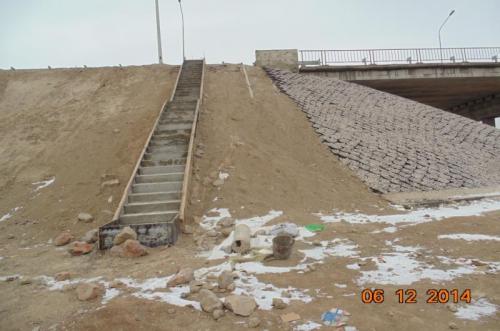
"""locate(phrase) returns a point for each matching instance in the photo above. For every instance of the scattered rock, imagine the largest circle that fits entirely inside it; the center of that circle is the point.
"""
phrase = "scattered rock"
(125, 234)
(240, 304)
(11, 236)
(85, 217)
(25, 281)
(317, 243)
(286, 294)
(452, 307)
(184, 276)
(453, 326)
(62, 276)
(110, 183)
(171, 311)
(253, 322)
(195, 286)
(279, 304)
(63, 239)
(211, 233)
(11, 278)
(88, 291)
(116, 251)
(226, 231)
(225, 279)
(117, 284)
(478, 263)
(231, 287)
(217, 313)
(226, 222)
(290, 317)
(218, 182)
(80, 248)
(187, 229)
(133, 248)
(110, 199)
(91, 236)
(209, 301)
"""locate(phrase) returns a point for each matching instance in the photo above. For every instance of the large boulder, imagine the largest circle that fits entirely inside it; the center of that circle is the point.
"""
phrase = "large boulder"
(89, 291)
(209, 301)
(63, 239)
(130, 248)
(125, 234)
(85, 217)
(184, 276)
(80, 248)
(91, 236)
(240, 304)
(225, 279)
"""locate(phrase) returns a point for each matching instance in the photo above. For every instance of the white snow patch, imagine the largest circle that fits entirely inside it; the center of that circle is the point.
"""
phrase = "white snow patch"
(390, 229)
(417, 216)
(223, 175)
(400, 267)
(43, 184)
(340, 285)
(353, 266)
(308, 326)
(9, 214)
(337, 247)
(476, 309)
(4, 278)
(469, 237)
(209, 222)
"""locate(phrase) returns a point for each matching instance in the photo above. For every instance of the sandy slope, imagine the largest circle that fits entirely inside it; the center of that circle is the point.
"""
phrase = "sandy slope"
(274, 161)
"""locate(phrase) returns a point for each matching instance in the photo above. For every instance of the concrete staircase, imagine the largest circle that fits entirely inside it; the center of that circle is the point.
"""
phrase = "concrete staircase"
(154, 200)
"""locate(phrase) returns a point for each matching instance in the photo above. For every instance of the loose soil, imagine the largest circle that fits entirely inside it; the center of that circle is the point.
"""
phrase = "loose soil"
(79, 124)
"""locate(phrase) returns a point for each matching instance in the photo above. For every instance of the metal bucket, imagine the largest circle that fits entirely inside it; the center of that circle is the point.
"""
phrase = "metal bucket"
(282, 246)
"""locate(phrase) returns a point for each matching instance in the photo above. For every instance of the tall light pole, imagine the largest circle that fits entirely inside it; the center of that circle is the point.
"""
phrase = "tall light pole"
(183, 47)
(160, 56)
(442, 25)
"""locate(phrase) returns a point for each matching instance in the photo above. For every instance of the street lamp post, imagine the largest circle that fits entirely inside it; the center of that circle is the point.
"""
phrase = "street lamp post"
(158, 34)
(442, 25)
(183, 47)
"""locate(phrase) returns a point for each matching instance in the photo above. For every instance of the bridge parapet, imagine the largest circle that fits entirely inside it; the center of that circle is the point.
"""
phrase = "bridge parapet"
(365, 57)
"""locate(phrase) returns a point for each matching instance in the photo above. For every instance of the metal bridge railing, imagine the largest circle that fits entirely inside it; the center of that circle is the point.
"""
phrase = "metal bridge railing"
(399, 56)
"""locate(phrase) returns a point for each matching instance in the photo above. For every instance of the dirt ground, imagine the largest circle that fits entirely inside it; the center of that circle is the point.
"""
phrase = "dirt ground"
(77, 125)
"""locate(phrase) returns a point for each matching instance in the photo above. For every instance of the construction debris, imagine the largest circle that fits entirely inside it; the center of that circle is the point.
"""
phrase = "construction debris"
(241, 243)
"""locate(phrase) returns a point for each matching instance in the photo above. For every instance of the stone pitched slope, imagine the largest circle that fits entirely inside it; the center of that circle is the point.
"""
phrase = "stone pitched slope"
(394, 144)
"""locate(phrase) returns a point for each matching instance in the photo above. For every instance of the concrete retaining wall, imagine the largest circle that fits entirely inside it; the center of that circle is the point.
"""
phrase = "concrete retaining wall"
(287, 59)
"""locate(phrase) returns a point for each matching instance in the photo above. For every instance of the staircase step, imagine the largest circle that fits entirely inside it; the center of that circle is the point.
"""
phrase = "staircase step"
(149, 207)
(174, 126)
(158, 178)
(153, 197)
(148, 218)
(154, 163)
(161, 170)
(164, 156)
(167, 148)
(156, 187)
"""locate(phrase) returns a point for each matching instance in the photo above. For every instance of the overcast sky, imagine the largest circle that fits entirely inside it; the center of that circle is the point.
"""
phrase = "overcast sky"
(65, 33)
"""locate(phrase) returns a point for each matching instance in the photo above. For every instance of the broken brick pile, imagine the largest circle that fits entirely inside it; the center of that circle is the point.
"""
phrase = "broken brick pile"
(394, 144)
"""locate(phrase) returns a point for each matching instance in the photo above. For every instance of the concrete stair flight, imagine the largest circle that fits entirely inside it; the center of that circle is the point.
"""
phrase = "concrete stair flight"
(154, 200)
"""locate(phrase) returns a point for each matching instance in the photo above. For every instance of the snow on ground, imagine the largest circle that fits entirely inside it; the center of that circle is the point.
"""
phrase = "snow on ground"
(43, 184)
(417, 216)
(54, 285)
(469, 237)
(337, 247)
(476, 309)
(308, 326)
(9, 214)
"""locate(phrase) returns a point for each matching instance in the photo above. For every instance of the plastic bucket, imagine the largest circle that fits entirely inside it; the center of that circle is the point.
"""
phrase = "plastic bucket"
(282, 246)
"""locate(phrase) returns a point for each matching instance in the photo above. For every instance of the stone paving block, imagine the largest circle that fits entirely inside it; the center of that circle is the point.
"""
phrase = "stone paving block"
(395, 144)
